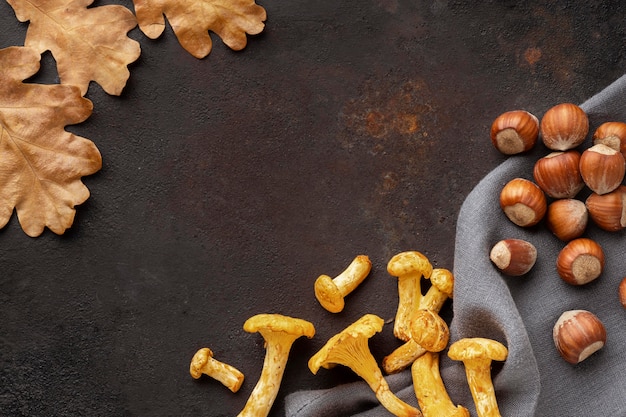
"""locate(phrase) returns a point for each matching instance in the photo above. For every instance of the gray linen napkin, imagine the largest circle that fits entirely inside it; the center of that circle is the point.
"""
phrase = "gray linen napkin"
(518, 311)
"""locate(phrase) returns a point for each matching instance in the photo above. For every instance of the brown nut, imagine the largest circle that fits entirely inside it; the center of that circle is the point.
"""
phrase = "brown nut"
(558, 174)
(608, 211)
(580, 261)
(613, 135)
(622, 292)
(578, 334)
(523, 202)
(513, 257)
(602, 168)
(515, 132)
(564, 126)
(567, 218)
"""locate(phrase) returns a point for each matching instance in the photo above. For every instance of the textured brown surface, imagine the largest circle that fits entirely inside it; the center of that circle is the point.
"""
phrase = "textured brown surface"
(230, 183)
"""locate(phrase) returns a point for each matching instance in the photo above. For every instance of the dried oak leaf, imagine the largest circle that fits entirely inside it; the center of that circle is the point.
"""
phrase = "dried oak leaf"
(88, 44)
(42, 163)
(192, 20)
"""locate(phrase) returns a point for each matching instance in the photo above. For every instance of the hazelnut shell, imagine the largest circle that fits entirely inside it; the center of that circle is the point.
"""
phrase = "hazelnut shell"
(515, 132)
(602, 168)
(558, 174)
(578, 334)
(523, 202)
(564, 126)
(608, 211)
(580, 261)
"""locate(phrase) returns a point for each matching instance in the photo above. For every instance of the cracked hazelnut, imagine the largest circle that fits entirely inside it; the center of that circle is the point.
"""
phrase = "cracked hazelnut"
(580, 261)
(515, 132)
(602, 168)
(578, 334)
(608, 211)
(564, 126)
(523, 202)
(558, 174)
(567, 218)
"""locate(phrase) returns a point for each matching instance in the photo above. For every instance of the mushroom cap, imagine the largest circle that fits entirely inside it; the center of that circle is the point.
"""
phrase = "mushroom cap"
(443, 279)
(328, 294)
(199, 360)
(477, 348)
(430, 331)
(364, 328)
(279, 323)
(405, 263)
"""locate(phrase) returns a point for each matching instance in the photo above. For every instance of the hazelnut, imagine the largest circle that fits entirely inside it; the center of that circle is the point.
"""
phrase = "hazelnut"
(613, 135)
(578, 334)
(608, 211)
(523, 202)
(567, 218)
(602, 168)
(513, 257)
(580, 261)
(564, 126)
(515, 132)
(622, 292)
(558, 174)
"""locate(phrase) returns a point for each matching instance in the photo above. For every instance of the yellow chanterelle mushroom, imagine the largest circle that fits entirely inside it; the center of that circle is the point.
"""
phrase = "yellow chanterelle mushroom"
(350, 348)
(477, 354)
(279, 332)
(203, 363)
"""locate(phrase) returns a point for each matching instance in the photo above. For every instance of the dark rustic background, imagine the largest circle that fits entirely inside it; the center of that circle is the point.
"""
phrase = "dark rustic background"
(230, 183)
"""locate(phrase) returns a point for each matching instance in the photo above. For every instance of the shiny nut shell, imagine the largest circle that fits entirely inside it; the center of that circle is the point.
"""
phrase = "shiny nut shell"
(608, 211)
(567, 218)
(578, 334)
(612, 134)
(558, 174)
(580, 261)
(523, 202)
(514, 257)
(564, 126)
(515, 132)
(602, 168)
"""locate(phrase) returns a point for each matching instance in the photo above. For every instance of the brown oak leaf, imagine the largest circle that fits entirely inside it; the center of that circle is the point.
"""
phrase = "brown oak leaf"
(42, 163)
(192, 20)
(88, 44)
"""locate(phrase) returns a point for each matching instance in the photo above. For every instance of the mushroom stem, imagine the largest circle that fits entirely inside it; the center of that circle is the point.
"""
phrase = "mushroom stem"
(350, 348)
(331, 292)
(279, 333)
(442, 284)
(203, 363)
(353, 275)
(402, 357)
(484, 394)
(430, 391)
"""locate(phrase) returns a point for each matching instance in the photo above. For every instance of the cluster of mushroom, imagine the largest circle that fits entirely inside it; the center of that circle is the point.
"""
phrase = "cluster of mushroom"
(570, 187)
(417, 323)
(425, 335)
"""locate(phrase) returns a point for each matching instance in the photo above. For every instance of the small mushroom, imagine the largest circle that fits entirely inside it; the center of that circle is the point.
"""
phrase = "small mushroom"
(331, 292)
(350, 348)
(429, 332)
(442, 286)
(430, 391)
(279, 333)
(477, 355)
(204, 363)
(409, 267)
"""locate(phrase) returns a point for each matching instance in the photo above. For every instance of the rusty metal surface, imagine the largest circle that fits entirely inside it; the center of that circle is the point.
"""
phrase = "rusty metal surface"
(230, 183)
